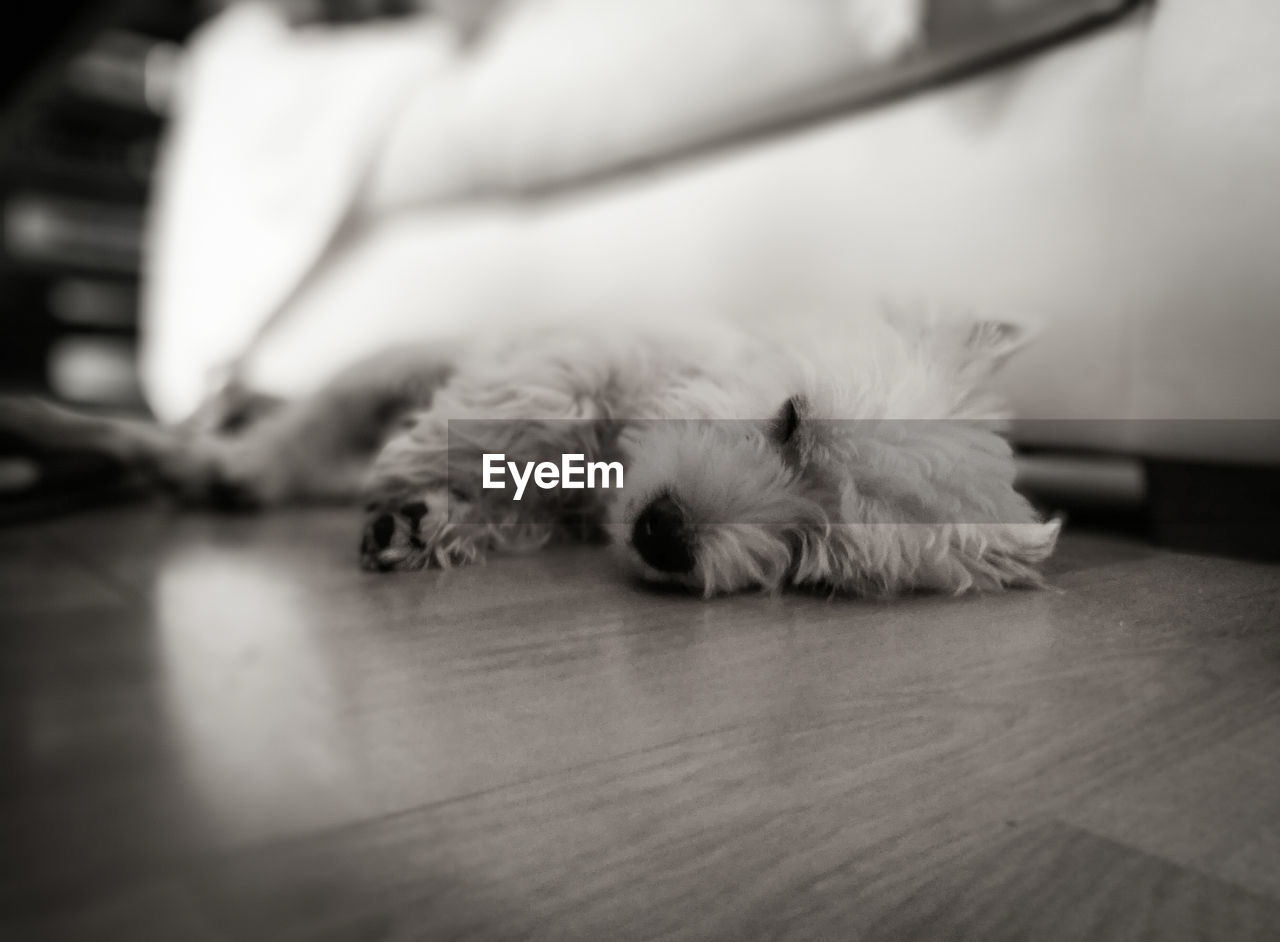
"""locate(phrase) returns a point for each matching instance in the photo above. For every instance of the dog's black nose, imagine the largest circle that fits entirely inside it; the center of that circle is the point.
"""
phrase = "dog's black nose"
(661, 538)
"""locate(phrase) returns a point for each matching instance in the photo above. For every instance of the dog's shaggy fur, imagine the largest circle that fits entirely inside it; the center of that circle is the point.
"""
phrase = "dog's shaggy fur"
(869, 463)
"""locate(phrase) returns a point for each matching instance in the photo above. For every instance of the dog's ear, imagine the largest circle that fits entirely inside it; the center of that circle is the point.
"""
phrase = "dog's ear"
(974, 347)
(990, 343)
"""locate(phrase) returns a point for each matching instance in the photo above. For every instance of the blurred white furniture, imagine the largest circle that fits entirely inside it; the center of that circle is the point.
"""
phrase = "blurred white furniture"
(1120, 189)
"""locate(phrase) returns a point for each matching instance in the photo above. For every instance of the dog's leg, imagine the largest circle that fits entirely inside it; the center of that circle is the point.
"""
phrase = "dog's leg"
(416, 515)
(427, 503)
(309, 450)
(427, 506)
(108, 449)
(319, 448)
(41, 427)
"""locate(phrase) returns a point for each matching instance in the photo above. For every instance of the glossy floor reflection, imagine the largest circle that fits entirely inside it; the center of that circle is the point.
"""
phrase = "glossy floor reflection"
(219, 728)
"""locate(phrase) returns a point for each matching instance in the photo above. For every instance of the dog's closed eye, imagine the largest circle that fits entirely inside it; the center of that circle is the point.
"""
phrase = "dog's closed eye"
(786, 423)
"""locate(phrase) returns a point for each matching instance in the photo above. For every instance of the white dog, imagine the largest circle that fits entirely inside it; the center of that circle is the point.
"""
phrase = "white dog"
(867, 463)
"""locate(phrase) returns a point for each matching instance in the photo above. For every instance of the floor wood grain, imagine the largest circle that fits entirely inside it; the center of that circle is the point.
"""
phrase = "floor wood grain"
(219, 728)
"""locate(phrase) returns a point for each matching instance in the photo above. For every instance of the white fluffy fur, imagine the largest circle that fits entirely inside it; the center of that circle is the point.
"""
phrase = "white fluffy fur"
(895, 480)
(868, 461)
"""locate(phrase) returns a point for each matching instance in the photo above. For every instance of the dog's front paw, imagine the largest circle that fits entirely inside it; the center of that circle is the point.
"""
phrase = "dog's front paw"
(419, 532)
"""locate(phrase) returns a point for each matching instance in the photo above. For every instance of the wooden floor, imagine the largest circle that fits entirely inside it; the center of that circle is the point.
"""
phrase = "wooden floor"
(221, 729)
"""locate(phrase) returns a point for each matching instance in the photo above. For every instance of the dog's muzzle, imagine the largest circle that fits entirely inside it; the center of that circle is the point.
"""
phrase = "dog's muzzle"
(661, 537)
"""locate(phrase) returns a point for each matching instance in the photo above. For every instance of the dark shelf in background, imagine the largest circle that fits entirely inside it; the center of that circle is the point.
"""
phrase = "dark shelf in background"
(78, 138)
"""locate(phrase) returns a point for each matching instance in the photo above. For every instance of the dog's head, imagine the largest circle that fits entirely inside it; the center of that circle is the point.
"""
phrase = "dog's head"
(879, 471)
